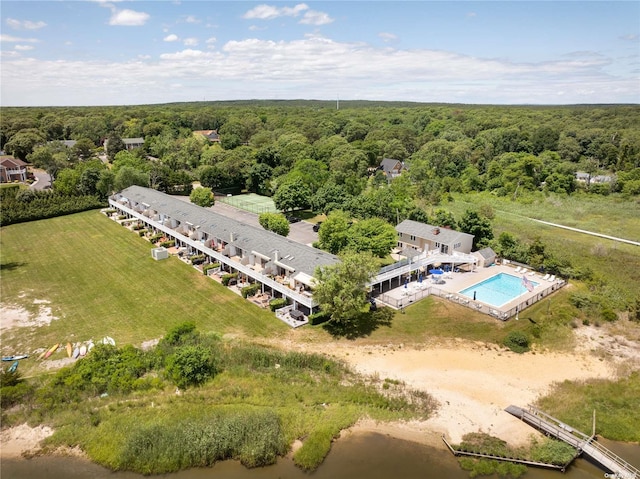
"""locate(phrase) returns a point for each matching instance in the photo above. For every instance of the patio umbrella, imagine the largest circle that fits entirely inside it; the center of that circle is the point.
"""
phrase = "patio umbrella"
(474, 295)
(406, 282)
(436, 271)
(419, 278)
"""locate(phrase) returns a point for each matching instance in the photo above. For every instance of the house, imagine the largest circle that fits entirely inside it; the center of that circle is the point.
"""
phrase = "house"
(584, 177)
(211, 135)
(486, 257)
(12, 169)
(424, 237)
(133, 143)
(392, 168)
(282, 267)
(129, 143)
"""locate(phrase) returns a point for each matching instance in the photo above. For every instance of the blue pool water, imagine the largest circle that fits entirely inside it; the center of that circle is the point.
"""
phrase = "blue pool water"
(498, 289)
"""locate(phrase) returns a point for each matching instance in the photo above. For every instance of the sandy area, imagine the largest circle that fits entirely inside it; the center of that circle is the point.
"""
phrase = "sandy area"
(22, 439)
(14, 316)
(473, 382)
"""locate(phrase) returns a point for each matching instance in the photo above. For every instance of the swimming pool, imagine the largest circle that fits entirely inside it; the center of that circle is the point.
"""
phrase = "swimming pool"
(498, 290)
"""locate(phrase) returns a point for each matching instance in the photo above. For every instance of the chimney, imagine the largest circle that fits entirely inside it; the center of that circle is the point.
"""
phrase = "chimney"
(277, 255)
(232, 237)
(436, 231)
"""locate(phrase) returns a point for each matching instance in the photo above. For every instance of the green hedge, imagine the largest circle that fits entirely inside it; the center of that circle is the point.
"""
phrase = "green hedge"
(277, 303)
(198, 259)
(319, 318)
(156, 237)
(250, 290)
(207, 267)
(228, 277)
(168, 244)
(32, 205)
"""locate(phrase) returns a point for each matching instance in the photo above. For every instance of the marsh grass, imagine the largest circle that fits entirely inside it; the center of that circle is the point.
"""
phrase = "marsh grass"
(547, 450)
(260, 402)
(616, 404)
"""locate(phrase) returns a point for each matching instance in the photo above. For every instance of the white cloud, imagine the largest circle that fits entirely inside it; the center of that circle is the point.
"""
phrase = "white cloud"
(256, 28)
(128, 18)
(631, 37)
(211, 40)
(25, 24)
(24, 48)
(190, 42)
(12, 39)
(314, 67)
(191, 19)
(387, 37)
(171, 38)
(269, 12)
(187, 54)
(471, 14)
(313, 17)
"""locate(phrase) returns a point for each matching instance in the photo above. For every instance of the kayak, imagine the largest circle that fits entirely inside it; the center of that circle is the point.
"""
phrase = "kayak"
(76, 353)
(13, 367)
(83, 350)
(108, 340)
(15, 358)
(69, 349)
(51, 350)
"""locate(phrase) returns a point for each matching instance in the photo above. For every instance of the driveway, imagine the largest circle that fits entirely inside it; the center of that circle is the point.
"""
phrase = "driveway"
(43, 180)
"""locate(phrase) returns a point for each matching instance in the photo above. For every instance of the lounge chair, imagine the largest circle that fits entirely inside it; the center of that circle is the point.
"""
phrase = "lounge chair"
(552, 278)
(546, 277)
(517, 270)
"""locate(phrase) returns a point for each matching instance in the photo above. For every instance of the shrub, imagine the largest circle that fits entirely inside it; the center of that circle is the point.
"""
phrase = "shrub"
(141, 233)
(13, 389)
(191, 366)
(517, 341)
(228, 277)
(609, 315)
(180, 333)
(207, 267)
(277, 303)
(198, 259)
(168, 244)
(250, 290)
(156, 237)
(319, 318)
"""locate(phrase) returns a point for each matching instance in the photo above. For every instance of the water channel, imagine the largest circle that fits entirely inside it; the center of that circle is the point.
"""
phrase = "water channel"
(374, 456)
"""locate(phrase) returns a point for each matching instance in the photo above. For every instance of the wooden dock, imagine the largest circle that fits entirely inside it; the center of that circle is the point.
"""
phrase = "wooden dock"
(458, 452)
(616, 466)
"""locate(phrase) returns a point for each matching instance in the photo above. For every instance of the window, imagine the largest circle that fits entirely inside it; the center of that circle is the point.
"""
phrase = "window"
(413, 238)
(437, 245)
(457, 245)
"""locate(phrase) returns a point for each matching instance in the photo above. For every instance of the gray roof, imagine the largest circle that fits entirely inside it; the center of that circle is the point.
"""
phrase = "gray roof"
(301, 257)
(430, 232)
(129, 141)
(389, 165)
(486, 253)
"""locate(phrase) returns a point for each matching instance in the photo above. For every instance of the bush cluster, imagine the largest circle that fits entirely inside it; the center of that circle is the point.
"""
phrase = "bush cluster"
(517, 341)
(226, 278)
(277, 303)
(319, 318)
(250, 290)
(36, 205)
(207, 267)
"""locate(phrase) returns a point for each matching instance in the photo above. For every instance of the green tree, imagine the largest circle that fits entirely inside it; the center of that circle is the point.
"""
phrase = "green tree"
(445, 219)
(202, 197)
(67, 182)
(341, 288)
(114, 146)
(293, 195)
(275, 222)
(478, 226)
(333, 235)
(23, 143)
(127, 176)
(258, 178)
(374, 235)
(83, 149)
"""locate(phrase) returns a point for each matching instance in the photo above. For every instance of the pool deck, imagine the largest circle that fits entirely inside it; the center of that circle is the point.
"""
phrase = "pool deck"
(452, 283)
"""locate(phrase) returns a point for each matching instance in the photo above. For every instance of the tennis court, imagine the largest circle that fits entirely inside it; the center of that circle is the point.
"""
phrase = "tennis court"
(250, 202)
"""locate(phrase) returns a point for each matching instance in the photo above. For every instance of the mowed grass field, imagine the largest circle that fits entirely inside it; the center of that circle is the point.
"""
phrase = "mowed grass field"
(99, 279)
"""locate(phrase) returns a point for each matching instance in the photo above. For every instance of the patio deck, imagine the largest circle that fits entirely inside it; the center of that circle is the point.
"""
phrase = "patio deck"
(452, 283)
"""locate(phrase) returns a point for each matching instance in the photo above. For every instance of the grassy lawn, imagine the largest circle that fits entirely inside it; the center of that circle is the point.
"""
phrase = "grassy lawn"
(100, 279)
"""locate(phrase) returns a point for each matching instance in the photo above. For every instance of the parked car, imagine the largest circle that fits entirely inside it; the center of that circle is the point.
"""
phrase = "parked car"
(293, 219)
(316, 227)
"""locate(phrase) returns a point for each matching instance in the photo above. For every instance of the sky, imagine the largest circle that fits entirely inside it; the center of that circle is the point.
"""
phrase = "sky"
(85, 53)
